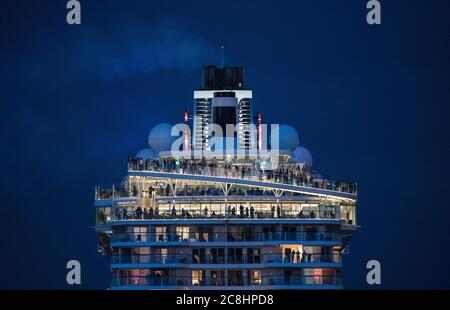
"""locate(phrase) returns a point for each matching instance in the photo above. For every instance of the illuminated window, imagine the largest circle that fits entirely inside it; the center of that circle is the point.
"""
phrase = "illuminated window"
(140, 233)
(197, 277)
(183, 232)
(254, 277)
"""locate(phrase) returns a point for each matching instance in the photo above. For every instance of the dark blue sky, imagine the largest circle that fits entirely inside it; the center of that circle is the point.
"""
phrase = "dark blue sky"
(370, 102)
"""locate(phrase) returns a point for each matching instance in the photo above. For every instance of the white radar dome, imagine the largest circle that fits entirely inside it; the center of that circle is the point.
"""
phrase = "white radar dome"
(301, 155)
(159, 138)
(146, 154)
(287, 135)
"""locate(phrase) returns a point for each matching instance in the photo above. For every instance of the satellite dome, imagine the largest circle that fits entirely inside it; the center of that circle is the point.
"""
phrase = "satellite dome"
(160, 139)
(301, 155)
(288, 137)
(146, 154)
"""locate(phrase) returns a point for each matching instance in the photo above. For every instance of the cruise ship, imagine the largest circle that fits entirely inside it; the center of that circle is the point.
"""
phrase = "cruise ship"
(231, 210)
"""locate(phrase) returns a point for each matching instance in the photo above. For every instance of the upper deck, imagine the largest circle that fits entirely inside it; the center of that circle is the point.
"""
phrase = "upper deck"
(287, 177)
(200, 189)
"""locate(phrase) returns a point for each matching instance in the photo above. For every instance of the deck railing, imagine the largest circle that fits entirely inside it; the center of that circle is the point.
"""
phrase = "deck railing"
(193, 237)
(137, 214)
(180, 281)
(268, 258)
(289, 174)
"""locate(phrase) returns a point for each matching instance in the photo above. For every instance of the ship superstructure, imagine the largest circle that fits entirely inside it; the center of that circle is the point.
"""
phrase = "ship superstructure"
(197, 220)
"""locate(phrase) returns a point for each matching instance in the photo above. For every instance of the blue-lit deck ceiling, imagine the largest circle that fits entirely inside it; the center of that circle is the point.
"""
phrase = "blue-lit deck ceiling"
(246, 182)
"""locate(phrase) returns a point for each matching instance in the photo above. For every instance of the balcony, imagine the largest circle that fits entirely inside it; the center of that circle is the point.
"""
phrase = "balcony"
(218, 211)
(272, 236)
(269, 260)
(106, 192)
(162, 282)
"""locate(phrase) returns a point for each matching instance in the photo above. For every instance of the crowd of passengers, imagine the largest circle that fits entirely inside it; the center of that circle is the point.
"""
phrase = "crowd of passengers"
(191, 166)
(293, 173)
(186, 191)
(211, 191)
(232, 212)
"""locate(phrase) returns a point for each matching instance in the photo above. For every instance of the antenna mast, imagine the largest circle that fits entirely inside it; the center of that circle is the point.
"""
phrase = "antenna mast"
(222, 61)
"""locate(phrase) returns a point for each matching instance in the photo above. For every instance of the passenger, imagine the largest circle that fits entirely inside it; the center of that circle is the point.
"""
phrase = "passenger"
(286, 256)
(292, 255)
(205, 212)
(312, 215)
(150, 213)
(119, 213)
(298, 256)
(158, 279)
(252, 212)
(102, 217)
(174, 212)
(272, 211)
(138, 213)
(167, 190)
(145, 213)
(247, 212)
(148, 278)
(241, 211)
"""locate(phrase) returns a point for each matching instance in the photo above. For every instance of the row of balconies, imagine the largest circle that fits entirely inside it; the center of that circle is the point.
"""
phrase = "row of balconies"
(266, 281)
(227, 237)
(135, 213)
(293, 259)
(168, 212)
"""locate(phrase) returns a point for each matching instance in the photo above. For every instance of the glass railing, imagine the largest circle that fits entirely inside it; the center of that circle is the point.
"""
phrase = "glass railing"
(179, 281)
(109, 192)
(137, 213)
(271, 258)
(226, 237)
(288, 174)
